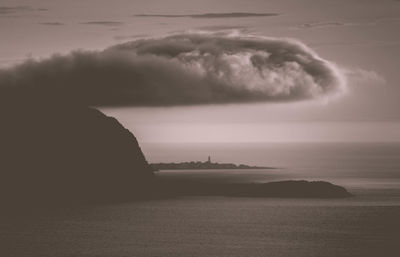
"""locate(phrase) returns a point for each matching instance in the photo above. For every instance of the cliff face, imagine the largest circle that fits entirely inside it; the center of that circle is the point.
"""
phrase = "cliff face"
(61, 153)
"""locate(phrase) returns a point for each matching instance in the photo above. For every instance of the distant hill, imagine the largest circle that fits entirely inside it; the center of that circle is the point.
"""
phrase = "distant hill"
(280, 189)
(207, 165)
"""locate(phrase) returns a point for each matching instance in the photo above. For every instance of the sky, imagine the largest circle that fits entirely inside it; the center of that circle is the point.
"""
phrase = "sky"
(326, 71)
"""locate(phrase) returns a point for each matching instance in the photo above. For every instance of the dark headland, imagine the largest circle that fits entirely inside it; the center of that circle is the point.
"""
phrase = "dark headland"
(58, 154)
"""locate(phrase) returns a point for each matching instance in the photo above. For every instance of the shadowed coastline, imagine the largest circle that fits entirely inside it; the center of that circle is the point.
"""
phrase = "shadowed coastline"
(57, 154)
(280, 189)
(198, 165)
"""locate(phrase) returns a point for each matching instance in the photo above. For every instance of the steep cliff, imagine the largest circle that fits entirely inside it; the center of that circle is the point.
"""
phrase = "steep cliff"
(61, 153)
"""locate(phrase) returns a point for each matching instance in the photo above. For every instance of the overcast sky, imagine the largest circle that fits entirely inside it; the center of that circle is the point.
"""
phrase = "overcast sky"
(358, 37)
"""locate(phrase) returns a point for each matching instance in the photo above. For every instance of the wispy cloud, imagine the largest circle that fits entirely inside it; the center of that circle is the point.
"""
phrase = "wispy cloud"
(135, 36)
(223, 27)
(104, 23)
(359, 43)
(210, 15)
(12, 10)
(332, 24)
(360, 76)
(52, 23)
(323, 24)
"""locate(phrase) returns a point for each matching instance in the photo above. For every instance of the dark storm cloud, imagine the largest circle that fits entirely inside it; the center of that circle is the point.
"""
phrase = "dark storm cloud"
(6, 10)
(104, 23)
(210, 15)
(52, 23)
(183, 69)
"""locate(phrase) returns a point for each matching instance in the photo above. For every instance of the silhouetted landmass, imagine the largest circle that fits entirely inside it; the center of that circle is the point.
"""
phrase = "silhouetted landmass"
(58, 153)
(54, 152)
(201, 166)
(282, 189)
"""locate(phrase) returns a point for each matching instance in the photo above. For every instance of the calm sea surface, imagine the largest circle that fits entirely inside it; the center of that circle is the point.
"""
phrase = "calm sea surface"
(366, 169)
(365, 225)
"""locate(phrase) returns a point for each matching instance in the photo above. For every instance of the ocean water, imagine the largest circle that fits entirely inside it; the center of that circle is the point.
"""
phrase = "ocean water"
(365, 169)
(365, 225)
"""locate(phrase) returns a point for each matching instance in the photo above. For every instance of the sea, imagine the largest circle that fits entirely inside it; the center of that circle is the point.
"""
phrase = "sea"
(367, 224)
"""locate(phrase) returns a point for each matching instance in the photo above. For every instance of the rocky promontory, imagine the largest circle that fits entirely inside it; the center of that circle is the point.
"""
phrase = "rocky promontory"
(61, 153)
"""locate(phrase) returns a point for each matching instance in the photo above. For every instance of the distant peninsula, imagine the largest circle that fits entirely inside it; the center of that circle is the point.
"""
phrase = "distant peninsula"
(280, 189)
(198, 165)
